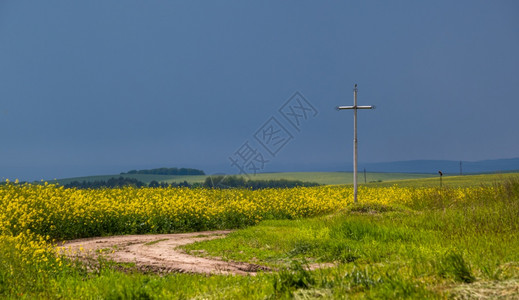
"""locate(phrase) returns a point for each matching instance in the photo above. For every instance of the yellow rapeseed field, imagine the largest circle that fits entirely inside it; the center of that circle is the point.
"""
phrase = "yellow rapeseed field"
(34, 217)
(58, 213)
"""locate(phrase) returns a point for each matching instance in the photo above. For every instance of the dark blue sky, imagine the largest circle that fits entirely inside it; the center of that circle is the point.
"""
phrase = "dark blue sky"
(96, 87)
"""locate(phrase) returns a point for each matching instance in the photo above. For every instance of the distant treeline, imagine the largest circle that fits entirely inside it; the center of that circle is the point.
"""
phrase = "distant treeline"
(223, 182)
(122, 182)
(110, 183)
(218, 182)
(168, 171)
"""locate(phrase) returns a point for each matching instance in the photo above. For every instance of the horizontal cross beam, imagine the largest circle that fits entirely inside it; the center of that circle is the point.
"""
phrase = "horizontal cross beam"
(356, 107)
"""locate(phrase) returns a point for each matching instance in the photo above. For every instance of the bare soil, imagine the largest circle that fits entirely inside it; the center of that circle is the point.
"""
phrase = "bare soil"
(158, 253)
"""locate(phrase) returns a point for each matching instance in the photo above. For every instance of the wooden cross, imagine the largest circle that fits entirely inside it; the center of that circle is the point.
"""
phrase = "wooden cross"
(355, 107)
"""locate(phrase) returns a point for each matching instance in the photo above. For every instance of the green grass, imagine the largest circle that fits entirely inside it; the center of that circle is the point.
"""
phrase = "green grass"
(380, 235)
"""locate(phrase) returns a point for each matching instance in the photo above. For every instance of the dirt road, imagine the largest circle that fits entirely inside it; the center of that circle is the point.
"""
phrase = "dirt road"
(157, 253)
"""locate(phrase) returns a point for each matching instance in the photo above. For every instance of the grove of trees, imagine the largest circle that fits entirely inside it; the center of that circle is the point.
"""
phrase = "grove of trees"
(168, 171)
(223, 182)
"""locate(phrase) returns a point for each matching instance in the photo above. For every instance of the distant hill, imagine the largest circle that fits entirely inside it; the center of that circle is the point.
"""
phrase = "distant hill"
(446, 166)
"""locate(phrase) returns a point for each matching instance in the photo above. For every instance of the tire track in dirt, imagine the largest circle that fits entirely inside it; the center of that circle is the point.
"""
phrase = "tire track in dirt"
(158, 253)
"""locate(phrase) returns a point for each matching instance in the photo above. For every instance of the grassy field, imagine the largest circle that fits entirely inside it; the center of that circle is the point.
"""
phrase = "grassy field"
(319, 177)
(449, 181)
(327, 178)
(338, 177)
(399, 242)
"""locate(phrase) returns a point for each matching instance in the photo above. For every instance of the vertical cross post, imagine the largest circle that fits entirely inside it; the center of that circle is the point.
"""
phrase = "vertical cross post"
(355, 107)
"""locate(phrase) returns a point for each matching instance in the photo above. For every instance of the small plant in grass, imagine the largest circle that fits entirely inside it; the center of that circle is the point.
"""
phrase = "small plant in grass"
(296, 277)
(341, 252)
(301, 248)
(362, 279)
(455, 266)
